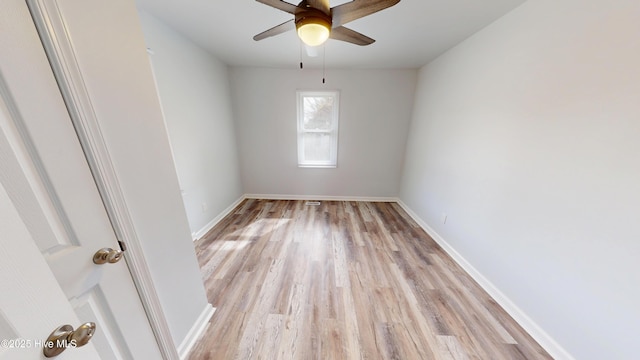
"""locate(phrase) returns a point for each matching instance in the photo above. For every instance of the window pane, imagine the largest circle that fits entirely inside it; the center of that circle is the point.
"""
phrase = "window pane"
(317, 147)
(318, 112)
(318, 128)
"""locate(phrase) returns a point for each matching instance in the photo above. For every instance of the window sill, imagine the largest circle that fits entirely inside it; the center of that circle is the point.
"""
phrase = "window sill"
(307, 166)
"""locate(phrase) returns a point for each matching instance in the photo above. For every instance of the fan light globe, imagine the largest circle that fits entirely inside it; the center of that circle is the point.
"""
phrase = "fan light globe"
(313, 34)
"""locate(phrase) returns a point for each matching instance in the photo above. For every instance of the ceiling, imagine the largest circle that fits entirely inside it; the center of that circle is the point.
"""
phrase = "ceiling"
(408, 35)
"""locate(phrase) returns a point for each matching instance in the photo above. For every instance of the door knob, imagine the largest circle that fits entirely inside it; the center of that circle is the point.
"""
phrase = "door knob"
(65, 337)
(107, 255)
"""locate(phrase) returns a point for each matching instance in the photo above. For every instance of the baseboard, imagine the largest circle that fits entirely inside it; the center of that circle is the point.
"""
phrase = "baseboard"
(196, 331)
(202, 232)
(320, 197)
(544, 339)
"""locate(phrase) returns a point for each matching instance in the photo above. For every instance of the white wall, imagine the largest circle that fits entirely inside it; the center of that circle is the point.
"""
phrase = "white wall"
(195, 96)
(110, 51)
(527, 136)
(375, 110)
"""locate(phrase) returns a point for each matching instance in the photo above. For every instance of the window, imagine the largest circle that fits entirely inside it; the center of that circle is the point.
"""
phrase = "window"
(317, 129)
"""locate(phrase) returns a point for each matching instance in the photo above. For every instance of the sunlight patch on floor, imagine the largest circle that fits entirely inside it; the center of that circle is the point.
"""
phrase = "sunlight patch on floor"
(260, 227)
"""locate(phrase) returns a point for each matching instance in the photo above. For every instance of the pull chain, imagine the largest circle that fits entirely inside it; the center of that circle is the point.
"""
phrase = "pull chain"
(301, 66)
(324, 60)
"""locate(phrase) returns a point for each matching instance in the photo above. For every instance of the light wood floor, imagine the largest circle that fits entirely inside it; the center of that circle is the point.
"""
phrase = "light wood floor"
(343, 280)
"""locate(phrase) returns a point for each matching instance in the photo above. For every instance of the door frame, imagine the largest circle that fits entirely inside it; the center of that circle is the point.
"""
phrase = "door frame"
(59, 49)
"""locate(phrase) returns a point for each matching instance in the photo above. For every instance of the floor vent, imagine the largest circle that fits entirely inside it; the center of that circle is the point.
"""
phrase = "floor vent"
(312, 203)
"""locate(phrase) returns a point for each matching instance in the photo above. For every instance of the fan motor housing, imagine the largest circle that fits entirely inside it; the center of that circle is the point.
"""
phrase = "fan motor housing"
(305, 14)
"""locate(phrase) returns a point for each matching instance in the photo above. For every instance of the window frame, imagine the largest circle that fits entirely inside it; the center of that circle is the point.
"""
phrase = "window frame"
(333, 131)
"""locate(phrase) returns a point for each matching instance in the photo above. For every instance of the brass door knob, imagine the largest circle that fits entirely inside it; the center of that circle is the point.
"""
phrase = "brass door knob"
(107, 255)
(65, 337)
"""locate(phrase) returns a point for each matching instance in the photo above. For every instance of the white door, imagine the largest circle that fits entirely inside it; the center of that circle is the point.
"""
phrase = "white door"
(22, 332)
(45, 176)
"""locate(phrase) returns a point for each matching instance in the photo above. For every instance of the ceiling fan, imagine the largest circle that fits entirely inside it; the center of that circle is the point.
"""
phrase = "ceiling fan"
(316, 22)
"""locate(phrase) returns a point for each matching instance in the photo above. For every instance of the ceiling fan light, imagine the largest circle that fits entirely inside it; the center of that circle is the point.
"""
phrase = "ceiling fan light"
(313, 33)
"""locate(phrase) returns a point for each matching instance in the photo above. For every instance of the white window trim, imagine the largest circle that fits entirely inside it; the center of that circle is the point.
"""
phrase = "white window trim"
(333, 158)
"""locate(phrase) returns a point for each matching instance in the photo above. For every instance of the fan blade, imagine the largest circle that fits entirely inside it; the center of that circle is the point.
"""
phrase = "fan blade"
(356, 9)
(276, 30)
(344, 34)
(322, 5)
(281, 5)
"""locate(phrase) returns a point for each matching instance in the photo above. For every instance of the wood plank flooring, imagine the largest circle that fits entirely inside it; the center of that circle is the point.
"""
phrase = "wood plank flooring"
(343, 280)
